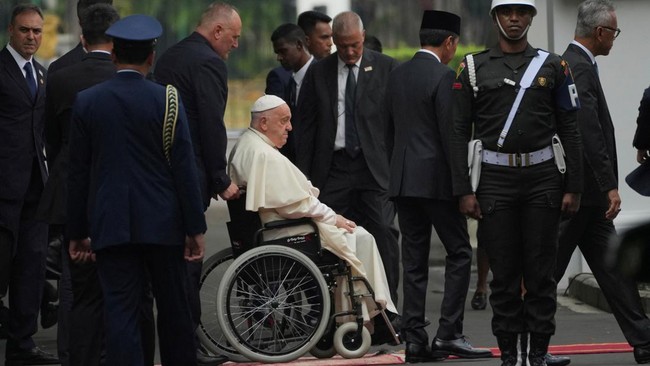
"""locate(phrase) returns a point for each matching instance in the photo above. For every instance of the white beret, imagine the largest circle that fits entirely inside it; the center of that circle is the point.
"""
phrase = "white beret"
(266, 102)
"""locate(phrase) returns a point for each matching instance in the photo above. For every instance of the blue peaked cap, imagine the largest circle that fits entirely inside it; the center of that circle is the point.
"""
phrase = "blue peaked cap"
(136, 28)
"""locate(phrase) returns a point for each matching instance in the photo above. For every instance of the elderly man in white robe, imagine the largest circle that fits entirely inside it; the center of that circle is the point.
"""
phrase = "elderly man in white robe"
(278, 190)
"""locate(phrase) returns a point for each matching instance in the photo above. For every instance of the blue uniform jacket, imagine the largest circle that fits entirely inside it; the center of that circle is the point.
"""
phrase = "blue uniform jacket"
(121, 188)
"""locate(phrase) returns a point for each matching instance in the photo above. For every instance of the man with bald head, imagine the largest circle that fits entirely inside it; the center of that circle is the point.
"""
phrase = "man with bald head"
(196, 66)
(277, 190)
(343, 135)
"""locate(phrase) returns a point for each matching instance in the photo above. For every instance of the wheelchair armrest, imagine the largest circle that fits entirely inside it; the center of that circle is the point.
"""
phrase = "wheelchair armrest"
(290, 222)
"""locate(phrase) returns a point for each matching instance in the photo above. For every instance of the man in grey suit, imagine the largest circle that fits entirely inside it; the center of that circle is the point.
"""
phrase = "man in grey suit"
(592, 227)
(419, 104)
(343, 143)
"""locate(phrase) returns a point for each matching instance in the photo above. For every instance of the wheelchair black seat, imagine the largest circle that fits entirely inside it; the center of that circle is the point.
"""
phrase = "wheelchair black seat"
(246, 232)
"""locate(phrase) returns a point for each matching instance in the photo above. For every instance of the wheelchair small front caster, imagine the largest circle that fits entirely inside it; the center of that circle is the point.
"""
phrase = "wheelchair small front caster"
(350, 345)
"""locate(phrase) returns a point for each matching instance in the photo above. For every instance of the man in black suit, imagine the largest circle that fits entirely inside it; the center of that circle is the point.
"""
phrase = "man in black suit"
(196, 66)
(420, 184)
(76, 54)
(57, 246)
(23, 238)
(316, 26)
(342, 147)
(118, 152)
(291, 50)
(592, 227)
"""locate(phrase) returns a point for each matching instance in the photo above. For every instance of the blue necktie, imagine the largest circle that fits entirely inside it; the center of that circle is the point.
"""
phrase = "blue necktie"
(29, 76)
(351, 136)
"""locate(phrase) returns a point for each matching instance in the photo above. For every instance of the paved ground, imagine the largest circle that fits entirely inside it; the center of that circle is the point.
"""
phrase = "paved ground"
(577, 323)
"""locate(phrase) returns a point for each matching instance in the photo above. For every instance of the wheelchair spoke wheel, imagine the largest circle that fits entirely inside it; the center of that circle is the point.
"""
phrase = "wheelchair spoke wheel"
(209, 332)
(273, 304)
(348, 343)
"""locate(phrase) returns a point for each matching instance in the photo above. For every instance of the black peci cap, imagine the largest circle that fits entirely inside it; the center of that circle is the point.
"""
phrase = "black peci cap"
(436, 19)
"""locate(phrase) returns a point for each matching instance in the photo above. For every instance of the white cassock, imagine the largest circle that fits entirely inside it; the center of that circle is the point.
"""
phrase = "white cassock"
(278, 190)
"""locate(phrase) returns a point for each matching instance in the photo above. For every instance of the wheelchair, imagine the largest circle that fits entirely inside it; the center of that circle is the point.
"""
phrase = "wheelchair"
(271, 300)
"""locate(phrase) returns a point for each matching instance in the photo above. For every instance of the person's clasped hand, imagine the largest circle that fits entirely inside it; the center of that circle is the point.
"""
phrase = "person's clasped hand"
(80, 251)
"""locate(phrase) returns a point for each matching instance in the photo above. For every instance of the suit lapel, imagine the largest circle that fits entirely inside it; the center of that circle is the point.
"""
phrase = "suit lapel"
(365, 75)
(40, 80)
(601, 94)
(332, 82)
(14, 72)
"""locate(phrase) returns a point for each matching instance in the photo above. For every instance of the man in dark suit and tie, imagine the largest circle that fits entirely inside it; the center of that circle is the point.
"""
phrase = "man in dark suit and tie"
(77, 53)
(292, 53)
(134, 191)
(342, 147)
(196, 66)
(419, 104)
(591, 228)
(23, 238)
(316, 26)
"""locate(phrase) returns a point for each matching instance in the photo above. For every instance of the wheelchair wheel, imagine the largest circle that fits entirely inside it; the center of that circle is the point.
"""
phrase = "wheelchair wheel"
(324, 348)
(209, 331)
(346, 342)
(273, 304)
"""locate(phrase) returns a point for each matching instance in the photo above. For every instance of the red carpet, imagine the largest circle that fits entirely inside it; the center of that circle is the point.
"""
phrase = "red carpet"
(369, 359)
(398, 357)
(581, 349)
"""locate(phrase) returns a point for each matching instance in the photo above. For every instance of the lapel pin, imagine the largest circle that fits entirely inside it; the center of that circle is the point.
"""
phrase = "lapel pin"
(367, 68)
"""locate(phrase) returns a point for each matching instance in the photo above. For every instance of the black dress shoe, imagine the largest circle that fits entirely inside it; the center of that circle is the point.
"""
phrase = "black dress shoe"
(416, 353)
(556, 360)
(205, 359)
(459, 347)
(34, 356)
(479, 301)
(642, 354)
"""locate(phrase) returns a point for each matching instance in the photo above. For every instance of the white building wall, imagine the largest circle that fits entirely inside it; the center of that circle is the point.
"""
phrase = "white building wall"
(624, 74)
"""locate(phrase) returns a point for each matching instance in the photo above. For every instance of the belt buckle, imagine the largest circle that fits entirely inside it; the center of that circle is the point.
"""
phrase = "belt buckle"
(518, 160)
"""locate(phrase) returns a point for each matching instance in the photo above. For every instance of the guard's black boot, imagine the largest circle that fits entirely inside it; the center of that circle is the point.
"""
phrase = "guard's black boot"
(538, 348)
(508, 346)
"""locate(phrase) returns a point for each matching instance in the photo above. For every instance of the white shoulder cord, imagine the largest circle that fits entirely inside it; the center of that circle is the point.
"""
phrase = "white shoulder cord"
(472, 73)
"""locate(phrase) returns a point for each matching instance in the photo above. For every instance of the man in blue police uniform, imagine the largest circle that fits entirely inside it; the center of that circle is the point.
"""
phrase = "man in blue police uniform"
(135, 194)
(515, 99)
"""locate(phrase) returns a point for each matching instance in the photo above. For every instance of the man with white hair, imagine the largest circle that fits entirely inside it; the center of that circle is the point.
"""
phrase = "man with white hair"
(278, 190)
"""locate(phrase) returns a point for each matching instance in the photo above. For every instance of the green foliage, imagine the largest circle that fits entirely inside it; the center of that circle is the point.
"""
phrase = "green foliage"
(402, 54)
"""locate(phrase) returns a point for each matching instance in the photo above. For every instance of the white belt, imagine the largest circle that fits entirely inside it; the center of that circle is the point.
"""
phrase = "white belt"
(518, 160)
